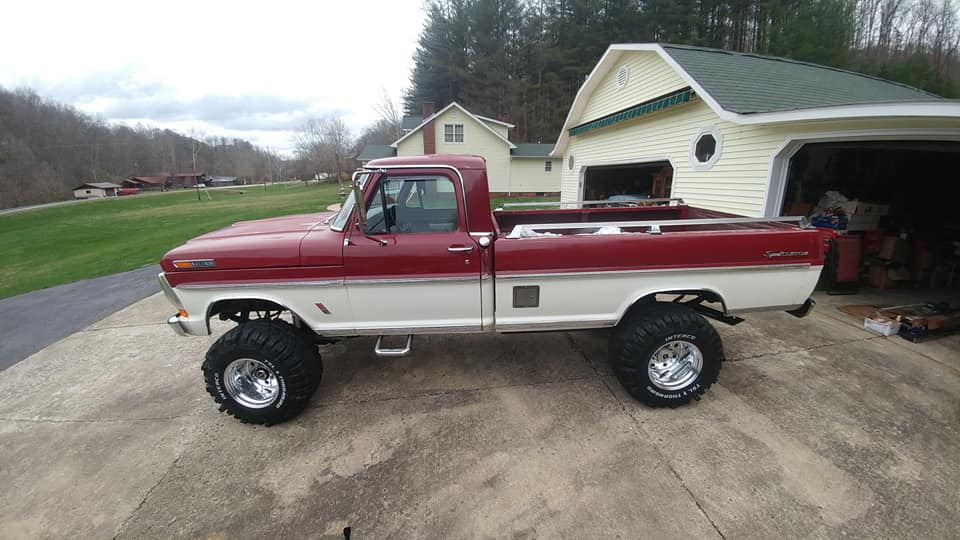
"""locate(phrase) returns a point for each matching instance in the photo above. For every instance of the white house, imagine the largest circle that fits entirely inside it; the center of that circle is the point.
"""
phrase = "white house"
(746, 134)
(513, 169)
(95, 190)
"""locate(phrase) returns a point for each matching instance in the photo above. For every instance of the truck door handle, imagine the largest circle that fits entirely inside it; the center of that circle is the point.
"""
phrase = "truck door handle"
(455, 249)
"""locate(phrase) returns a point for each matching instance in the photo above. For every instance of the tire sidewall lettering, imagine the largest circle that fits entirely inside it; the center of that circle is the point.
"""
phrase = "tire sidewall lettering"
(680, 337)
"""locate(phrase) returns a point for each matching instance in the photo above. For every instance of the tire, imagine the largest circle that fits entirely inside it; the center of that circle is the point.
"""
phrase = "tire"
(655, 350)
(263, 371)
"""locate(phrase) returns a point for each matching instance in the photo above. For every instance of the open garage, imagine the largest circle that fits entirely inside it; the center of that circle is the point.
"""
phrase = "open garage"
(761, 136)
(628, 181)
(914, 180)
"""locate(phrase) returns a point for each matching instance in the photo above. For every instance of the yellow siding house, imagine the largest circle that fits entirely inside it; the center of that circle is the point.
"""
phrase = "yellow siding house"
(719, 129)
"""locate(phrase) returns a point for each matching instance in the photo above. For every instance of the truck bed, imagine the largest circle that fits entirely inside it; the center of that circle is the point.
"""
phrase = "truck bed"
(587, 269)
(506, 221)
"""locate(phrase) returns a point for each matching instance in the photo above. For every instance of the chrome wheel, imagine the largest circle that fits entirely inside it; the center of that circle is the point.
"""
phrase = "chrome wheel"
(251, 383)
(674, 365)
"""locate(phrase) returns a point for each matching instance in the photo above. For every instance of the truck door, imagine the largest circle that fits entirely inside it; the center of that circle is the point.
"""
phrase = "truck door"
(415, 268)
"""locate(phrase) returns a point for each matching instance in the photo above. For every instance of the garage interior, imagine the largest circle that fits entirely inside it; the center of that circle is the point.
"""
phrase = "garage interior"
(628, 181)
(897, 216)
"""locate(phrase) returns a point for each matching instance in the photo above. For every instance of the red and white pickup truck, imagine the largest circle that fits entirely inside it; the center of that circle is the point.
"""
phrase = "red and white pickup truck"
(426, 255)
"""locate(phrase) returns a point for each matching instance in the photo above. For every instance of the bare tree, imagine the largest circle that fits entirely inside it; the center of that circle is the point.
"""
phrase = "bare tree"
(325, 144)
(386, 128)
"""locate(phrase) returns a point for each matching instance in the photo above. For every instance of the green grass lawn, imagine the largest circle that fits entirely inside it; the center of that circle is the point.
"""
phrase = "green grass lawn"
(50, 246)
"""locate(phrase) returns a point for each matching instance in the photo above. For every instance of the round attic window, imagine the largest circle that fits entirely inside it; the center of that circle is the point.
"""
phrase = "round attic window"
(705, 148)
(623, 75)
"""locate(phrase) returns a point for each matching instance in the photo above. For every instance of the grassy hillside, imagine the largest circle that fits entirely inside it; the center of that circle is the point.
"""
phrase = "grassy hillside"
(50, 246)
(62, 244)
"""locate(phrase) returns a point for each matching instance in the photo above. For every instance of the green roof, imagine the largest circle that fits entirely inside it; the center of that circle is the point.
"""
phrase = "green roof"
(410, 122)
(749, 83)
(531, 150)
(376, 151)
(652, 106)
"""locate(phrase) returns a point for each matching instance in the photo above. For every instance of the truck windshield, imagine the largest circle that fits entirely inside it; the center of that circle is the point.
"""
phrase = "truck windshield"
(339, 222)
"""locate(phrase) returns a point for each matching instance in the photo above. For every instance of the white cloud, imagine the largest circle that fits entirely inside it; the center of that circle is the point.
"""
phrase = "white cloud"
(254, 70)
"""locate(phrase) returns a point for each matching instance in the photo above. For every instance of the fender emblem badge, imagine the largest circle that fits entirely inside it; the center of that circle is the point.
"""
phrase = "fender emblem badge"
(322, 308)
(772, 254)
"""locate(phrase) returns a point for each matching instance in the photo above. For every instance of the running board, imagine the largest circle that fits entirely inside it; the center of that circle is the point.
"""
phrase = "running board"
(405, 350)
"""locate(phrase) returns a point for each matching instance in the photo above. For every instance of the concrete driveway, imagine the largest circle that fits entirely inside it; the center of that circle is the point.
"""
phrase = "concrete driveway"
(817, 429)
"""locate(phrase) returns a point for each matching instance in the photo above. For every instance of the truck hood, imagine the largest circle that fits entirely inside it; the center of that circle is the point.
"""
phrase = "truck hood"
(263, 243)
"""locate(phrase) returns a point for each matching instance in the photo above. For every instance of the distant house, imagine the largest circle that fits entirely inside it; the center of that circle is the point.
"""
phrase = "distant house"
(514, 169)
(95, 190)
(221, 180)
(146, 182)
(186, 179)
(166, 180)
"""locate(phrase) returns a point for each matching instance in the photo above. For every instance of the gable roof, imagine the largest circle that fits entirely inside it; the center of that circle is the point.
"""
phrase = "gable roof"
(508, 125)
(531, 150)
(466, 112)
(745, 88)
(153, 180)
(376, 151)
(410, 122)
(749, 83)
(98, 185)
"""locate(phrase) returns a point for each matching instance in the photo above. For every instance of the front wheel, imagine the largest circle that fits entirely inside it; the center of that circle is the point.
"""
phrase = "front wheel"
(263, 371)
(665, 355)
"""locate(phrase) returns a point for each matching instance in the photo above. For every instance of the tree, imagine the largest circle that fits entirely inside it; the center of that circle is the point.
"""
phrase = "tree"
(325, 144)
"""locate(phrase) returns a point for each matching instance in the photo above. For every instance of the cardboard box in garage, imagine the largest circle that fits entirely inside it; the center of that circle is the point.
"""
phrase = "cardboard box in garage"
(894, 249)
(864, 208)
(882, 277)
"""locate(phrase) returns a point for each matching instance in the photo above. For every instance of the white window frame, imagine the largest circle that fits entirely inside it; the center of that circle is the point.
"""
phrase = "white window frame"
(453, 134)
(717, 135)
(548, 166)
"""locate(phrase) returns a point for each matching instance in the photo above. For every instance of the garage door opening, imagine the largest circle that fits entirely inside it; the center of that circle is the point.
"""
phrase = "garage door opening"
(915, 178)
(901, 206)
(628, 182)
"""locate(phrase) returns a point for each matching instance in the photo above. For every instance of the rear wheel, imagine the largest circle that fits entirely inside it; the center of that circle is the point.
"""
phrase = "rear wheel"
(263, 371)
(665, 354)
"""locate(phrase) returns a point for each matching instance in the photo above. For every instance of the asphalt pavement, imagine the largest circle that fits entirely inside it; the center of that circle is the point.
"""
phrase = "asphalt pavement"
(33, 320)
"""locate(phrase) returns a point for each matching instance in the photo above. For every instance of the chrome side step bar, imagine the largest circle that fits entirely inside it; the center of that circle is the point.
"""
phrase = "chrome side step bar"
(379, 350)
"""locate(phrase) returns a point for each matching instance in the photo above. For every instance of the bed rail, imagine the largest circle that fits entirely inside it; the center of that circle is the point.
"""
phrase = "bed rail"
(674, 201)
(651, 226)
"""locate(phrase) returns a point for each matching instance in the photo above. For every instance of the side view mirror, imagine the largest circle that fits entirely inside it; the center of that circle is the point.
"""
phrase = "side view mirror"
(357, 192)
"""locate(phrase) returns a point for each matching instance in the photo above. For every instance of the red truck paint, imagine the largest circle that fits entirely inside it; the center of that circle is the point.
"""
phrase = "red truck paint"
(477, 278)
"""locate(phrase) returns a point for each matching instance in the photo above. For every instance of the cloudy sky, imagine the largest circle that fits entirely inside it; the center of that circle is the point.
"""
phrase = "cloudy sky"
(255, 70)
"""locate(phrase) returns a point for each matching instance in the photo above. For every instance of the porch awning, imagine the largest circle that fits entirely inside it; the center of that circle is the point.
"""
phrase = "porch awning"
(651, 106)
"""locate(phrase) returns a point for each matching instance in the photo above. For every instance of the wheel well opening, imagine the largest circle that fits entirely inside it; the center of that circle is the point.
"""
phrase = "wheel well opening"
(690, 297)
(241, 310)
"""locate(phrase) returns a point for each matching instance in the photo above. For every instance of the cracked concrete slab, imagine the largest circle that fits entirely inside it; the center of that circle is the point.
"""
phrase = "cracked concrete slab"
(817, 428)
(543, 459)
(80, 479)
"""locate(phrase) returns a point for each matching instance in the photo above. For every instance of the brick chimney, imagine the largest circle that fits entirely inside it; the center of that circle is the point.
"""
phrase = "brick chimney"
(429, 130)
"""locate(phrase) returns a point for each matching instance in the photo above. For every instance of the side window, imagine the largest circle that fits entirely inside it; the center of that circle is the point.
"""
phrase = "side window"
(405, 205)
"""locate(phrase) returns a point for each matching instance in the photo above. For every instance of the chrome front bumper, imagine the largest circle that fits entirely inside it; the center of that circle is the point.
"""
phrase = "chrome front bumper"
(177, 326)
(177, 323)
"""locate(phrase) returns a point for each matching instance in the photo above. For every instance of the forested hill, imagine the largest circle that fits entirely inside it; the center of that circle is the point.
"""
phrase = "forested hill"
(47, 148)
(527, 58)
